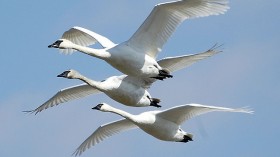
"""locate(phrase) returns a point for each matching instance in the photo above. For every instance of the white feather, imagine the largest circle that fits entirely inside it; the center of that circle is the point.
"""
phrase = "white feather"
(140, 51)
(163, 125)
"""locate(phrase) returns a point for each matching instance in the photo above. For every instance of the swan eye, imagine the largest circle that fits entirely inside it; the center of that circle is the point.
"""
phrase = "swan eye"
(102, 80)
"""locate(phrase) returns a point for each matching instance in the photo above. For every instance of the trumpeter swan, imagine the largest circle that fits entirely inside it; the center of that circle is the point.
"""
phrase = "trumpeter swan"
(133, 90)
(163, 125)
(137, 56)
(120, 88)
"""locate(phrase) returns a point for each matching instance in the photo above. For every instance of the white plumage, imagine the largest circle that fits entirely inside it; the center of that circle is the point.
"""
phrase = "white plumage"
(163, 125)
(136, 58)
(140, 51)
(128, 90)
(65, 95)
(85, 37)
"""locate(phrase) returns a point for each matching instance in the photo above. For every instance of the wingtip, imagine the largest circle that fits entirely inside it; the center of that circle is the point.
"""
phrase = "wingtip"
(77, 152)
(28, 112)
(216, 46)
(247, 109)
(31, 112)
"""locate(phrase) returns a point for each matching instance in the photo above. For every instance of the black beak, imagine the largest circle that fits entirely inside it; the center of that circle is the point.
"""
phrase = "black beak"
(64, 74)
(98, 107)
(50, 46)
(94, 108)
(55, 44)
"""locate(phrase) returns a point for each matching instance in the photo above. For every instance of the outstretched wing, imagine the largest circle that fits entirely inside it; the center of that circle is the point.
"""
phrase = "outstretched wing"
(179, 62)
(166, 17)
(67, 94)
(176, 63)
(179, 114)
(103, 132)
(85, 37)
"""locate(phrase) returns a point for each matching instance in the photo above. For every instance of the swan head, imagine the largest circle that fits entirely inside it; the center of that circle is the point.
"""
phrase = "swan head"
(70, 74)
(102, 107)
(61, 44)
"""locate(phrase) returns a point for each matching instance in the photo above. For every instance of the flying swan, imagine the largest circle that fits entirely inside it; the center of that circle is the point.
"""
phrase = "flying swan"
(163, 125)
(127, 90)
(140, 51)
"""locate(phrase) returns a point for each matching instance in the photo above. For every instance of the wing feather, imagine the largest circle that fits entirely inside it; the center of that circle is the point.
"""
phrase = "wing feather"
(104, 132)
(182, 113)
(166, 17)
(179, 62)
(67, 94)
(85, 37)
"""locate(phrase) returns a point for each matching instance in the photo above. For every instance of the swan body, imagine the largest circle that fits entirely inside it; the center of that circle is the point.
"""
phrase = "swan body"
(128, 90)
(140, 51)
(163, 125)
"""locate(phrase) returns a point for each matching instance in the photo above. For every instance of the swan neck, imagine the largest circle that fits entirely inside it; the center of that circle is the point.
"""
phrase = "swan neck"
(99, 53)
(90, 82)
(121, 113)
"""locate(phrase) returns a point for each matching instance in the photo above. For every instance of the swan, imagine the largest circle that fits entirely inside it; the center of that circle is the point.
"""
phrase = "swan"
(140, 51)
(163, 125)
(119, 88)
(127, 90)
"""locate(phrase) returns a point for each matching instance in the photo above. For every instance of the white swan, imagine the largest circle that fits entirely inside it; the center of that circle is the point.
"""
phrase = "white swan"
(120, 88)
(128, 90)
(163, 125)
(140, 51)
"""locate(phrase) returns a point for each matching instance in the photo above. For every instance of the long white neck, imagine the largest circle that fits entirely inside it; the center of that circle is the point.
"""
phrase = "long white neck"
(94, 84)
(121, 113)
(99, 53)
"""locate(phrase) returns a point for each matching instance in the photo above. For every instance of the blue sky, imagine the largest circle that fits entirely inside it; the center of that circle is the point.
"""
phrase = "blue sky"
(245, 74)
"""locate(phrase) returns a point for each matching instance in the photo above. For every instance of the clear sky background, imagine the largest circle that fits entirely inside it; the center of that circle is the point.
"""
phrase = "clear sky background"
(245, 74)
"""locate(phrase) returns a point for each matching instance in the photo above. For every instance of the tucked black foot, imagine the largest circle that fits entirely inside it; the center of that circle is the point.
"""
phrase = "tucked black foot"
(165, 73)
(155, 105)
(187, 138)
(159, 78)
(154, 102)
